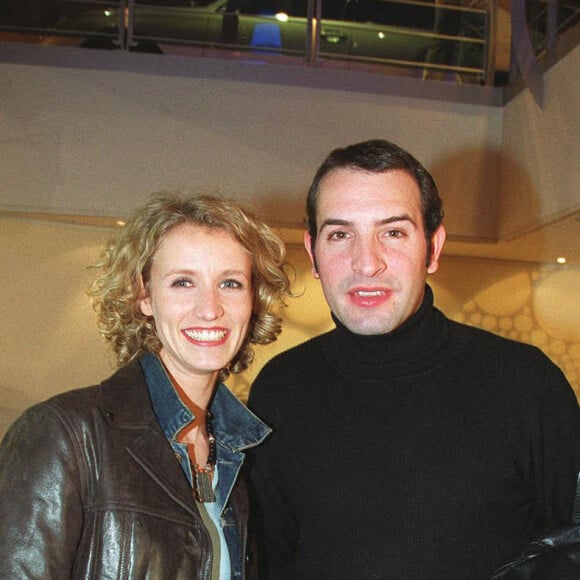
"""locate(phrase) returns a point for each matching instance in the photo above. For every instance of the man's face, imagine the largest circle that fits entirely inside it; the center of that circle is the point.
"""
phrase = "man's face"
(371, 251)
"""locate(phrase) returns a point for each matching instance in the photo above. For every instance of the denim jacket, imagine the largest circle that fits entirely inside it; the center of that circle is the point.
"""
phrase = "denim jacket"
(235, 428)
(91, 490)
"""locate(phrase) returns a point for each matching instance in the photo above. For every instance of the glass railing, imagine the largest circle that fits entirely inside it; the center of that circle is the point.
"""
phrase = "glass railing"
(64, 22)
(548, 20)
(409, 35)
(453, 40)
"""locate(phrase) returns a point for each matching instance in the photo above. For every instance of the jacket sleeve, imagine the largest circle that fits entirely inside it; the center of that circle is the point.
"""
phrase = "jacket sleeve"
(40, 497)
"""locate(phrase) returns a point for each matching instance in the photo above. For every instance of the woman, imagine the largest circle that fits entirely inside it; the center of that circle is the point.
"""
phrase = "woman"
(138, 477)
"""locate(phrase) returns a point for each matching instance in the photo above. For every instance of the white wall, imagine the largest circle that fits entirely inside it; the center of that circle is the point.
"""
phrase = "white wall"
(540, 173)
(96, 141)
(90, 132)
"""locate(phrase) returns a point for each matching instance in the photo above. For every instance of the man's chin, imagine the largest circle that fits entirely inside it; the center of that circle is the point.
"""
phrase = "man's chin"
(367, 326)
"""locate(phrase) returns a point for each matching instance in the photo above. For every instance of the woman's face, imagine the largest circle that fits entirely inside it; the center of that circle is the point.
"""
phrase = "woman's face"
(200, 295)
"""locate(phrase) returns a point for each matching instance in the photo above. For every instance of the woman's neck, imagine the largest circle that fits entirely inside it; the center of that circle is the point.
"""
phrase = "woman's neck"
(196, 391)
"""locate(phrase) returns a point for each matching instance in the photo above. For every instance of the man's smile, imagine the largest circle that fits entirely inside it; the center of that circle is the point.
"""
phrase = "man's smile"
(368, 297)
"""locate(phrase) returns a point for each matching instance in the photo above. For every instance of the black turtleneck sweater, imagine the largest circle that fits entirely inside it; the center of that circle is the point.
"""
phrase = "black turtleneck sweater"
(434, 452)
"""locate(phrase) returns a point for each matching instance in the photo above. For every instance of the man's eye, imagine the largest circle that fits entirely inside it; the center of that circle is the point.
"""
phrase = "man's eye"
(395, 234)
(338, 235)
(231, 284)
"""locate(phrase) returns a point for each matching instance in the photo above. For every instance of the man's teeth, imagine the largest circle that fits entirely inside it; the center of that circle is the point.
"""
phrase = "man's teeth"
(369, 293)
(206, 335)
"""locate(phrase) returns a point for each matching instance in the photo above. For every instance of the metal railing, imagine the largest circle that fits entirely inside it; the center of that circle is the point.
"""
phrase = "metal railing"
(548, 20)
(440, 38)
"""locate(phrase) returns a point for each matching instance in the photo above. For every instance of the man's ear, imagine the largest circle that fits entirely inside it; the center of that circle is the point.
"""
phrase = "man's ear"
(310, 250)
(437, 243)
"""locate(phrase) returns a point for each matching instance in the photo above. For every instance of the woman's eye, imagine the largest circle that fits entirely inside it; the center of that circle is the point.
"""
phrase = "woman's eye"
(182, 283)
(231, 284)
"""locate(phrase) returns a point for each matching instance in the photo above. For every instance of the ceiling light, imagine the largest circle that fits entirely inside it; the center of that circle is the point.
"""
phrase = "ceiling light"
(561, 260)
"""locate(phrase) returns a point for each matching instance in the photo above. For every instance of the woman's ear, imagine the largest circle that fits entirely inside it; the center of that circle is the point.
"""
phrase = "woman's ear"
(145, 300)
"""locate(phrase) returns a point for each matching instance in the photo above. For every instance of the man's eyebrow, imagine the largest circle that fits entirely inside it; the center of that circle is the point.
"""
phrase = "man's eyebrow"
(383, 222)
(335, 222)
(404, 217)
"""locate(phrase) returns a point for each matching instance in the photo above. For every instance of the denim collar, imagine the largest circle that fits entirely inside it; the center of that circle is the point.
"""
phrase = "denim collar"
(235, 426)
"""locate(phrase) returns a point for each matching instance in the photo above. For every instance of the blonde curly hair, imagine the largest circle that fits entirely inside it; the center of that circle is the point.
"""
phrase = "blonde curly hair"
(126, 261)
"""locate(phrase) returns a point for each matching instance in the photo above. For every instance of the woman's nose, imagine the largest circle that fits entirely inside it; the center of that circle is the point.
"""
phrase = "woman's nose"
(368, 259)
(208, 305)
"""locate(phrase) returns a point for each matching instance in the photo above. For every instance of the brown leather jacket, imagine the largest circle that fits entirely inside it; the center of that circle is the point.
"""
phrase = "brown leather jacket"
(90, 489)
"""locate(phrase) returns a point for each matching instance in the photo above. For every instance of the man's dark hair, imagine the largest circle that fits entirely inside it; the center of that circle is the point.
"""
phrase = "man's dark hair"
(377, 156)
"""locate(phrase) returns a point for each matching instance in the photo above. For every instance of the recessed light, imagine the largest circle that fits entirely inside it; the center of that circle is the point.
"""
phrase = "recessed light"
(561, 260)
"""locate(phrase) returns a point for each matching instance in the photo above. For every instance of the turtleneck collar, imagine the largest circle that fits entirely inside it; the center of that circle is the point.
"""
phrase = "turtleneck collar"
(412, 347)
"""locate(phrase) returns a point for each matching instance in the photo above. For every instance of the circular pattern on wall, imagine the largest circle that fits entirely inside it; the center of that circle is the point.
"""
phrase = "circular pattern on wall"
(556, 304)
(539, 307)
(507, 296)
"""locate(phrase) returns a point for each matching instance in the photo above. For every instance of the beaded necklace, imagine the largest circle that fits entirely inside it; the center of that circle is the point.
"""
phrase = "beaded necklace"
(202, 484)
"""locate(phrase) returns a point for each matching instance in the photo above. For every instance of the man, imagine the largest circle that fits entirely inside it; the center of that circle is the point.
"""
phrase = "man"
(405, 446)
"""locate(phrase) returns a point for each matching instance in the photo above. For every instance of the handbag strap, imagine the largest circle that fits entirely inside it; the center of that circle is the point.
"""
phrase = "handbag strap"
(576, 508)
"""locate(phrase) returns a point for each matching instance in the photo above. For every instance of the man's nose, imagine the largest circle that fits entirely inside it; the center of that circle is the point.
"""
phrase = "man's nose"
(369, 258)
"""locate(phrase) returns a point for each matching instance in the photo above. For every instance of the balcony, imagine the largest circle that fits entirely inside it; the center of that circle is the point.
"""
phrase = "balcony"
(467, 42)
